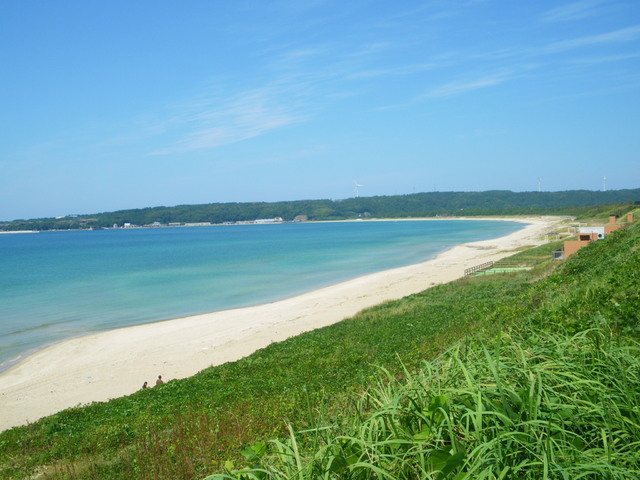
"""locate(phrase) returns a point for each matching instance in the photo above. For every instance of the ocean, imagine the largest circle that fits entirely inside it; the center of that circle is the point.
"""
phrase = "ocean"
(58, 285)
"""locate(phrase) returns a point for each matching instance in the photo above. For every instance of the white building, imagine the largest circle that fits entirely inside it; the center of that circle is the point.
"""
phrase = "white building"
(597, 230)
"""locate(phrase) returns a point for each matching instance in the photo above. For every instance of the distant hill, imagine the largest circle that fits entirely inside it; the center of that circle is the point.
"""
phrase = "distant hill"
(494, 202)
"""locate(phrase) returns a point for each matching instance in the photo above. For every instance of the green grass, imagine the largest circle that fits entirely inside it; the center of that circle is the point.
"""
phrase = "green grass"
(188, 429)
(533, 406)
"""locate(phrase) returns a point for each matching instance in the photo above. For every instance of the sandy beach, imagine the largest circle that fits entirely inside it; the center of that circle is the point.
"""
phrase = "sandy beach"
(112, 364)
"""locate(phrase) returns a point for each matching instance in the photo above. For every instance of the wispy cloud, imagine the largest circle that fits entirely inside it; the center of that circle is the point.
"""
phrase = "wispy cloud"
(292, 82)
(460, 87)
(617, 36)
(605, 59)
(296, 81)
(400, 70)
(212, 122)
(572, 11)
(297, 78)
(623, 35)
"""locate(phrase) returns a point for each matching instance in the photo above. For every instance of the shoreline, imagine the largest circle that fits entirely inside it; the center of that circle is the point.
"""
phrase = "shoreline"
(115, 363)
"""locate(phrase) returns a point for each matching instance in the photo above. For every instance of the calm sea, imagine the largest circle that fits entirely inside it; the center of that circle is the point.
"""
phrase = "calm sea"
(57, 285)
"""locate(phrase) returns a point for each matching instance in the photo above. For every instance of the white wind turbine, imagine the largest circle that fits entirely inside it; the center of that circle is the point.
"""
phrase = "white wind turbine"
(356, 188)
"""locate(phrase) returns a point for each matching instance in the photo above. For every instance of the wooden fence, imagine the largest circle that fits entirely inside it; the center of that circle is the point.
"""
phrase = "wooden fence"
(496, 265)
(478, 268)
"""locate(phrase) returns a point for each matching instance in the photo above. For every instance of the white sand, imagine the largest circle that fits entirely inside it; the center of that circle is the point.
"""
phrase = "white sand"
(116, 363)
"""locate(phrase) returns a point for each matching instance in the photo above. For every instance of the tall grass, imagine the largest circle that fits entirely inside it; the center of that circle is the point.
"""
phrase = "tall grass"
(527, 406)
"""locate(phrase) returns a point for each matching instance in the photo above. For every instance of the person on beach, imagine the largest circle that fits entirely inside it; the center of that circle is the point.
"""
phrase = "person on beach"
(159, 380)
(145, 385)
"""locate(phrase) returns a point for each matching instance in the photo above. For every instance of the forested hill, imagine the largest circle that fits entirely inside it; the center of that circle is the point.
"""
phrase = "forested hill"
(496, 202)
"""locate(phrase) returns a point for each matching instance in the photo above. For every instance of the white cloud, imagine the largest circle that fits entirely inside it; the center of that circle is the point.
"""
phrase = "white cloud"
(213, 122)
(618, 36)
(463, 86)
(302, 79)
(572, 11)
(605, 59)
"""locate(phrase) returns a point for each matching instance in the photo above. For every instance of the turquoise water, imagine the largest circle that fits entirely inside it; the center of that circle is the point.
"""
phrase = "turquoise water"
(57, 285)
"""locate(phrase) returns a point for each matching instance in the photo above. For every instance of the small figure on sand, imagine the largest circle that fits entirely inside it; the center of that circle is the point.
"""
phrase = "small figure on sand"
(159, 380)
(145, 385)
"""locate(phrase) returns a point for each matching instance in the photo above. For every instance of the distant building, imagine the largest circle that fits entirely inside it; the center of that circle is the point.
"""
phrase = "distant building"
(613, 226)
(587, 235)
(551, 236)
(572, 246)
(269, 220)
(599, 231)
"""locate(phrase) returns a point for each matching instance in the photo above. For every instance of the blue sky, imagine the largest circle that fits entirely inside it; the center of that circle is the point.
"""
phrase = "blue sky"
(120, 104)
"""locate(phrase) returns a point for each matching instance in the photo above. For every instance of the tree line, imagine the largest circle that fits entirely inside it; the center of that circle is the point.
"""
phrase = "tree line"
(430, 204)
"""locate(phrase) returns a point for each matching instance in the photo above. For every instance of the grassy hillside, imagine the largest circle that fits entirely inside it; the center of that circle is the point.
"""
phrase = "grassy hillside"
(189, 428)
(525, 404)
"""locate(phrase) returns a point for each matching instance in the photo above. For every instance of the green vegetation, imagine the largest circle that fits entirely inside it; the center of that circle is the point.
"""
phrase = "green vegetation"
(534, 374)
(529, 407)
(497, 202)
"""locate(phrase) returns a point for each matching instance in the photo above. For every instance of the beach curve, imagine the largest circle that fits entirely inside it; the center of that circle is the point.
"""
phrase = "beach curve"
(115, 363)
